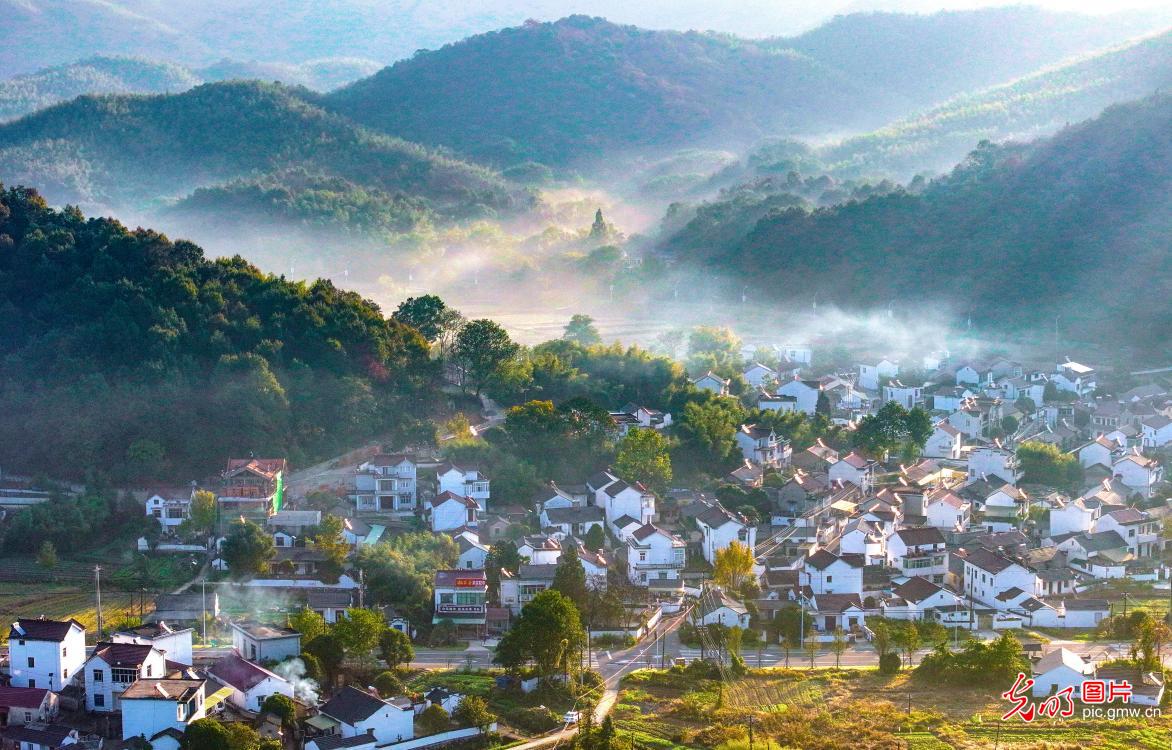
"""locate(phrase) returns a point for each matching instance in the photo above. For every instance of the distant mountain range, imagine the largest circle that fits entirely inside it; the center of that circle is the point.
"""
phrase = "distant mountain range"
(584, 88)
(1074, 226)
(246, 144)
(24, 94)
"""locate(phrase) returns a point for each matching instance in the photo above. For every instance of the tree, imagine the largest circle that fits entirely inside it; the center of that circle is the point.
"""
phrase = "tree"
(202, 515)
(247, 549)
(595, 538)
(1043, 463)
(712, 348)
(643, 457)
(425, 314)
(894, 429)
(395, 648)
(822, 406)
(329, 652)
(282, 706)
(581, 330)
(708, 432)
(309, 623)
(205, 734)
(570, 577)
(359, 632)
(811, 647)
(388, 684)
(434, 719)
(472, 711)
(328, 538)
(548, 633)
(838, 646)
(502, 555)
(47, 555)
(733, 566)
(910, 642)
(483, 347)
(881, 637)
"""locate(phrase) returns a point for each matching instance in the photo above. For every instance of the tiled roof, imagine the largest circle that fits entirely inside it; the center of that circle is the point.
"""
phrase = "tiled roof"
(916, 589)
(123, 654)
(352, 705)
(18, 697)
(42, 630)
(241, 674)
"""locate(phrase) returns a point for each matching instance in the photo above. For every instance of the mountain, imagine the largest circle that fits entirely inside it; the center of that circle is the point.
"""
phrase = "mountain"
(1032, 106)
(1076, 225)
(924, 59)
(133, 151)
(138, 358)
(24, 94)
(583, 88)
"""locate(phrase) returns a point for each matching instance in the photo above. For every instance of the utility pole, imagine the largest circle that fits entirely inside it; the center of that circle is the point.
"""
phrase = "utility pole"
(751, 720)
(203, 603)
(98, 592)
(361, 588)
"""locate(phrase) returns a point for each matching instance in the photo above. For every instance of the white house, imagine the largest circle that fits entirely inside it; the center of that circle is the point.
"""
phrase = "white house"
(758, 375)
(175, 643)
(761, 446)
(1060, 669)
(1099, 452)
(251, 684)
(944, 509)
(1073, 516)
(20, 706)
(1073, 377)
(863, 537)
(837, 611)
(907, 396)
(621, 499)
(41, 737)
(771, 402)
(1139, 473)
(259, 643)
(575, 521)
(450, 511)
(170, 508)
(1136, 527)
(871, 375)
(827, 573)
(152, 707)
(461, 596)
(719, 608)
(463, 481)
(114, 667)
(1004, 509)
(1157, 431)
(994, 461)
(944, 442)
(721, 527)
(919, 551)
(805, 391)
(388, 483)
(855, 469)
(540, 549)
(915, 598)
(336, 742)
(596, 566)
(654, 554)
(472, 553)
(712, 382)
(988, 574)
(359, 713)
(45, 653)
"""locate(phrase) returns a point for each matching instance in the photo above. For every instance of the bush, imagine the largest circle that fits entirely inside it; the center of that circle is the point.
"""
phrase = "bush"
(388, 684)
(434, 719)
(889, 663)
(612, 641)
(535, 720)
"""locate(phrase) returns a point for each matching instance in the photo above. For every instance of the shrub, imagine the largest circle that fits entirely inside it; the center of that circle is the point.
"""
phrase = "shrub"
(889, 663)
(434, 719)
(388, 684)
(610, 640)
(535, 720)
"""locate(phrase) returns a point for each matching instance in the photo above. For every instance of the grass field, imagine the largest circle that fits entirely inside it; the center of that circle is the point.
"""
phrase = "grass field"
(825, 709)
(62, 601)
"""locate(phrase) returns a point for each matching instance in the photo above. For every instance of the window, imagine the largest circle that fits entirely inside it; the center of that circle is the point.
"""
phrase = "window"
(642, 557)
(32, 683)
(99, 699)
(65, 674)
(148, 670)
(28, 716)
(99, 676)
(123, 676)
(447, 598)
(829, 579)
(32, 662)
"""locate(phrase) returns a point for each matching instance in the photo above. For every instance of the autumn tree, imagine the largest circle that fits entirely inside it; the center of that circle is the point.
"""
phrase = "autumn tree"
(202, 515)
(733, 566)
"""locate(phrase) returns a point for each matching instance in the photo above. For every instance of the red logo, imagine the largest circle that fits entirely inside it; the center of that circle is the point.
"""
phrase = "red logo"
(1061, 704)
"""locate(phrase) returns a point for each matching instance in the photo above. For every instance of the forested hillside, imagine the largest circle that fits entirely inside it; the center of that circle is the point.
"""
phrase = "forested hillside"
(585, 88)
(132, 150)
(129, 353)
(1076, 226)
(27, 93)
(1032, 106)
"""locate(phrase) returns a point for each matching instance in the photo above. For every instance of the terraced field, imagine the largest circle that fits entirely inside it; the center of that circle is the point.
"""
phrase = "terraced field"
(64, 601)
(826, 709)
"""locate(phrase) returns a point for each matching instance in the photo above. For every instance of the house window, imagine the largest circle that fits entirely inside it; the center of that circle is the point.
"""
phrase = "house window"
(829, 579)
(28, 716)
(446, 598)
(65, 674)
(32, 662)
(642, 557)
(99, 699)
(99, 676)
(148, 670)
(32, 683)
(124, 676)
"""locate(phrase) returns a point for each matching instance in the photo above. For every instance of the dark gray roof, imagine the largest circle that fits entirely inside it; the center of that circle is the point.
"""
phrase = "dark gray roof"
(337, 743)
(352, 705)
(539, 572)
(575, 514)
